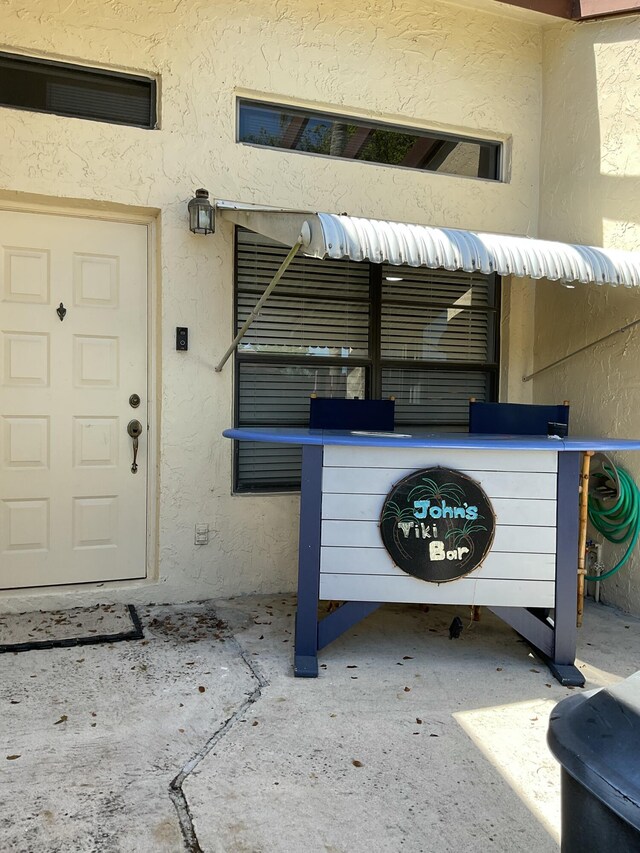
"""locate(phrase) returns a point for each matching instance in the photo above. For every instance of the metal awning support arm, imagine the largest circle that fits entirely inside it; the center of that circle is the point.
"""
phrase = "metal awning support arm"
(564, 358)
(245, 326)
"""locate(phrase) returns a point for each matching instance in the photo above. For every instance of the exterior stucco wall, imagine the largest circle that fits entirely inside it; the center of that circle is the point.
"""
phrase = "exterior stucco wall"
(422, 63)
(590, 193)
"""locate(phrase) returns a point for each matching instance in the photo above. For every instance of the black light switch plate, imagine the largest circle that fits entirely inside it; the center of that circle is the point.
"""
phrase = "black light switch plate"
(182, 338)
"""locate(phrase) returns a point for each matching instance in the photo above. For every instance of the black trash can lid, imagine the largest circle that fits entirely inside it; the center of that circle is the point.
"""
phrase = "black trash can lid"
(596, 738)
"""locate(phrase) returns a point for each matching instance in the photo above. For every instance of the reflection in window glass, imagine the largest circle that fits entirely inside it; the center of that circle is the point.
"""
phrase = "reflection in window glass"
(354, 139)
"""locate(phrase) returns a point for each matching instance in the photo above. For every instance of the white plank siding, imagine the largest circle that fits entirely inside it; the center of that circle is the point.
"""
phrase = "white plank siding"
(511, 539)
(344, 456)
(505, 593)
(497, 484)
(519, 570)
(540, 513)
(376, 561)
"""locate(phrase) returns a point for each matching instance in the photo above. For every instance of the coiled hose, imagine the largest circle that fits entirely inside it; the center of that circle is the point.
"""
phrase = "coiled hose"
(618, 523)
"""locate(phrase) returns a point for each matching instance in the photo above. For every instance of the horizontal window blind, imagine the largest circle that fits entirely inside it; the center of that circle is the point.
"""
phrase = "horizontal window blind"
(305, 327)
(318, 308)
(436, 334)
(434, 397)
(258, 259)
(402, 285)
(263, 466)
(77, 91)
(278, 395)
(129, 107)
(435, 315)
(434, 345)
(275, 395)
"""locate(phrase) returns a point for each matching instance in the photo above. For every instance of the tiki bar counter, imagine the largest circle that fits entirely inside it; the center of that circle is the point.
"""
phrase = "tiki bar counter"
(459, 519)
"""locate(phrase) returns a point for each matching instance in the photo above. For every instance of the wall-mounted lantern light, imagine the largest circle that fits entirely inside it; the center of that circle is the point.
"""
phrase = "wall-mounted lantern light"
(201, 213)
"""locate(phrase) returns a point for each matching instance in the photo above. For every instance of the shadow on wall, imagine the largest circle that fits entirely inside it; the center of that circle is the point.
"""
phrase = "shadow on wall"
(590, 193)
(590, 154)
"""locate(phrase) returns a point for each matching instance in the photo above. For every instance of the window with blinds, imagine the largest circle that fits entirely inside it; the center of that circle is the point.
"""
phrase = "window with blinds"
(355, 330)
(45, 86)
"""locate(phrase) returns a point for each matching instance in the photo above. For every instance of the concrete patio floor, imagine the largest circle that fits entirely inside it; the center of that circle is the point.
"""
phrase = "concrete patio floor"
(198, 737)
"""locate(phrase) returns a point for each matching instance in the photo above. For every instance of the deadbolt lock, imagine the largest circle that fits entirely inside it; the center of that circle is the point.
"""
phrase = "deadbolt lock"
(134, 401)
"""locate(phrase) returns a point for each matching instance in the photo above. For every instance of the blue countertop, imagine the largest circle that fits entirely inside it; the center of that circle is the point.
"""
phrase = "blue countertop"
(422, 438)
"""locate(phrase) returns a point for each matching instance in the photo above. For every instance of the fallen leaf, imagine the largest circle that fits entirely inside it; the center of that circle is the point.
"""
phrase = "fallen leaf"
(15, 702)
(352, 666)
(418, 721)
(534, 670)
(498, 669)
(407, 657)
(12, 757)
(254, 723)
(63, 719)
(407, 689)
(433, 735)
(547, 685)
(201, 689)
(357, 763)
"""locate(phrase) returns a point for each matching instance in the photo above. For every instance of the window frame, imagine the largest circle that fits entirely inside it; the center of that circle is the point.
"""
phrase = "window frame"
(90, 72)
(497, 145)
(373, 365)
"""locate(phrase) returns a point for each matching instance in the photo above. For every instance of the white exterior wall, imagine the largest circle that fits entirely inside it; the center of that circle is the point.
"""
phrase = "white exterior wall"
(590, 193)
(416, 62)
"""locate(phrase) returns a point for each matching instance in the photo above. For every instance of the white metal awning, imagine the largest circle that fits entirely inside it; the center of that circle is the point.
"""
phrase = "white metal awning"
(327, 235)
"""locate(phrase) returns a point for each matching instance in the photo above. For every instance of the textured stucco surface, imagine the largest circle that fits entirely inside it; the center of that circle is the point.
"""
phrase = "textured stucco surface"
(425, 63)
(590, 194)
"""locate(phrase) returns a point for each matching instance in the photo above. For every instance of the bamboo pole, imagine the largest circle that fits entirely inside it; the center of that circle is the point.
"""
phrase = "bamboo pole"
(582, 535)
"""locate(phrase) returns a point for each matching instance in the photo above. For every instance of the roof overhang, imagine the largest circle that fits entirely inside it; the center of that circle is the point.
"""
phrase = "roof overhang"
(328, 235)
(577, 10)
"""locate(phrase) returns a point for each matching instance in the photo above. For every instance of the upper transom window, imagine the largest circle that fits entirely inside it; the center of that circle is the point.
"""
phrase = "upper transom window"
(73, 90)
(350, 138)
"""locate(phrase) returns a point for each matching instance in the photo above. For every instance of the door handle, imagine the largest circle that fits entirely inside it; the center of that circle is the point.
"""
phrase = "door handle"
(134, 428)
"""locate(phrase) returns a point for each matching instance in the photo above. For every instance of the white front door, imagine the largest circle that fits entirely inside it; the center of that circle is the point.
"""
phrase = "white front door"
(71, 510)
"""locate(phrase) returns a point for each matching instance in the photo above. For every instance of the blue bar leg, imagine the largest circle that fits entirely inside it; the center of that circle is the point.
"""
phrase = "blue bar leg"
(562, 663)
(306, 642)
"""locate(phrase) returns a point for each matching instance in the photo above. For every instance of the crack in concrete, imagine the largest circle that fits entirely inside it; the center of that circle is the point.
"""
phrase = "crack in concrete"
(176, 794)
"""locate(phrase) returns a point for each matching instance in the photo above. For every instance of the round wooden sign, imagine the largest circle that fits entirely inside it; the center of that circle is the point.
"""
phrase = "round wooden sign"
(437, 524)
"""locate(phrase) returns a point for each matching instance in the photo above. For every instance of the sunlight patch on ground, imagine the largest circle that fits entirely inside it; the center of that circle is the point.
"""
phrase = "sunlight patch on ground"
(597, 677)
(513, 738)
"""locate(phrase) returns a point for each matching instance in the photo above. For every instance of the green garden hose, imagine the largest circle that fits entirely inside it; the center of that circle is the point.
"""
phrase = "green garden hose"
(620, 522)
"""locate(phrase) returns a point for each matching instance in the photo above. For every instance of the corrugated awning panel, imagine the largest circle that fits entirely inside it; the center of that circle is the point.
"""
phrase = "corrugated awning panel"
(328, 235)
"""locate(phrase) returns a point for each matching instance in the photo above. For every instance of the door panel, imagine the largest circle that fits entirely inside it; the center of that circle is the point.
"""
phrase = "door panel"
(71, 510)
